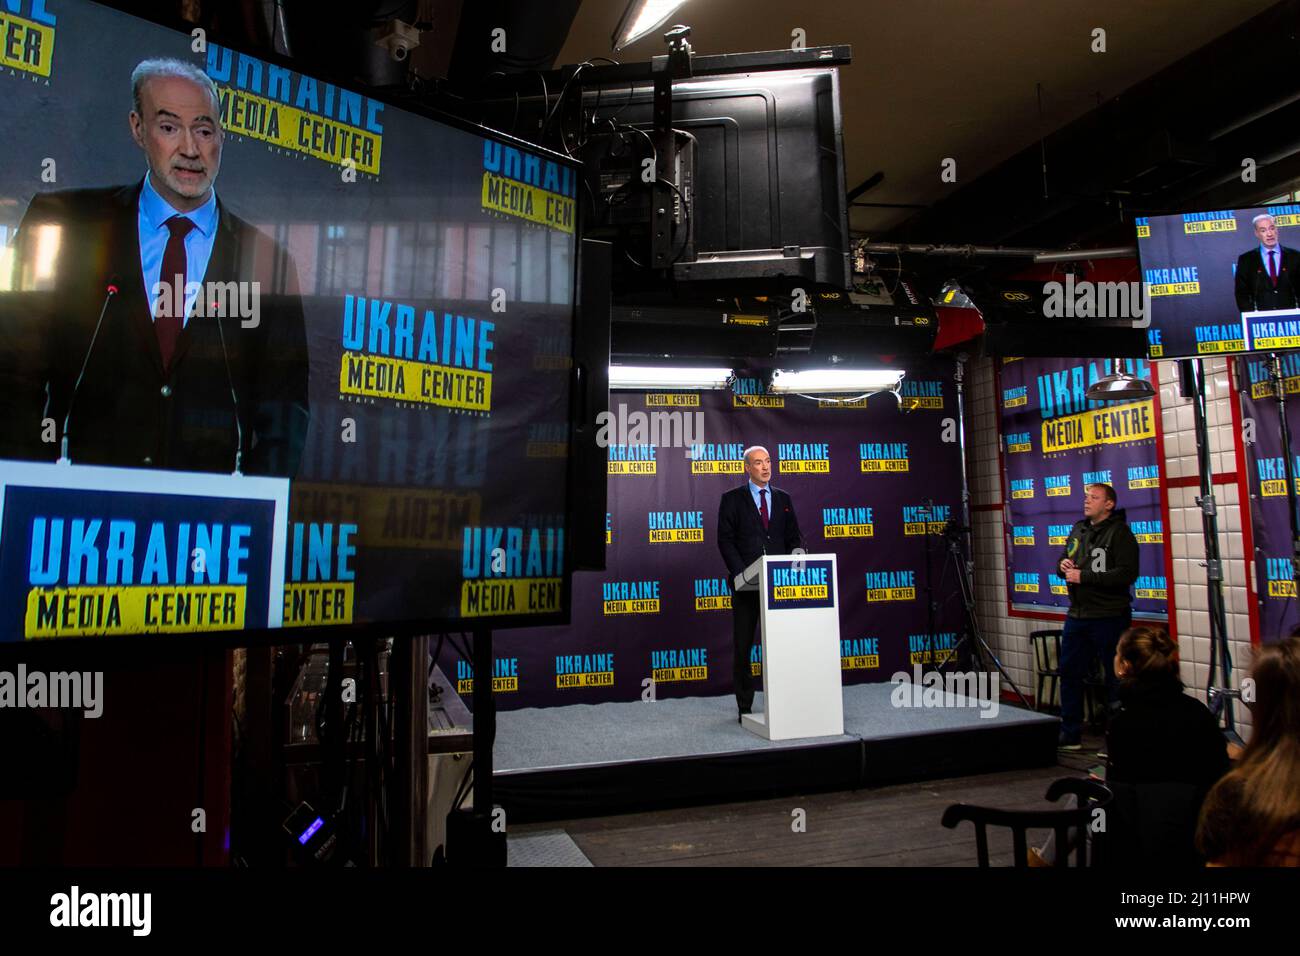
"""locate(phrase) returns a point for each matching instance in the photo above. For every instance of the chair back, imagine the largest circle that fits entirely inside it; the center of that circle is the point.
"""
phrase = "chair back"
(1047, 649)
(1047, 662)
(1094, 802)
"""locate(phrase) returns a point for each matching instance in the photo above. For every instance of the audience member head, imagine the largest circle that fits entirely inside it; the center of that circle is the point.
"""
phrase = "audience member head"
(1255, 810)
(1146, 653)
(1275, 710)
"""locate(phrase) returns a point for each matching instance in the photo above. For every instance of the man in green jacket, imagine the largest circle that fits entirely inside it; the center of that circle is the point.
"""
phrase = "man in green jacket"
(1099, 564)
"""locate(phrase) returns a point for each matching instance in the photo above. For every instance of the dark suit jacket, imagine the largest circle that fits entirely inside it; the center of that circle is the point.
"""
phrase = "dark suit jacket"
(741, 537)
(130, 411)
(1254, 289)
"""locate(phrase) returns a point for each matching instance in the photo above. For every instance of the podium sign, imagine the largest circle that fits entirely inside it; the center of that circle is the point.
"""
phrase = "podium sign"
(800, 624)
(1273, 331)
(87, 551)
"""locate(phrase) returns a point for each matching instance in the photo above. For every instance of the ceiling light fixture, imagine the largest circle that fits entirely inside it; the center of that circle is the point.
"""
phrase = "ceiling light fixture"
(1119, 386)
(640, 18)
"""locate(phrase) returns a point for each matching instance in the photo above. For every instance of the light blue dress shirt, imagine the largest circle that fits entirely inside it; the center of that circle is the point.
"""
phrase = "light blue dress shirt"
(1277, 257)
(154, 213)
(754, 490)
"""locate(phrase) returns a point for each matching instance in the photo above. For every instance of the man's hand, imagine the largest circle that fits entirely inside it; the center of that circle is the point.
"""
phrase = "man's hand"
(1072, 575)
(1066, 565)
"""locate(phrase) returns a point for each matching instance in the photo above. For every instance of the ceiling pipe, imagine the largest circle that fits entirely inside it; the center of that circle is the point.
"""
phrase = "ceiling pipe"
(1005, 252)
(1074, 255)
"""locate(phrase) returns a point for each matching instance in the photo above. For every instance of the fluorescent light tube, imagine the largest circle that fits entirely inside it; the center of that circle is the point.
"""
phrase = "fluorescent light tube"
(836, 380)
(650, 376)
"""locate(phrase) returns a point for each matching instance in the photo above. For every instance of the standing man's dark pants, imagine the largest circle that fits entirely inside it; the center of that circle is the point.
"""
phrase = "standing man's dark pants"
(1083, 639)
(744, 622)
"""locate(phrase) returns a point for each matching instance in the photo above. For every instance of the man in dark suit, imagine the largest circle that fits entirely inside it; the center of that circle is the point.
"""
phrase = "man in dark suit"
(206, 324)
(1264, 273)
(753, 520)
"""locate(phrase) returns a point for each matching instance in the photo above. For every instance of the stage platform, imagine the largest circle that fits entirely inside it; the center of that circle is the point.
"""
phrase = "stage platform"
(562, 762)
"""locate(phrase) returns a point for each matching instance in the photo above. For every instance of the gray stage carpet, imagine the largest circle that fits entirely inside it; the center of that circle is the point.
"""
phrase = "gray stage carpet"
(553, 737)
(545, 848)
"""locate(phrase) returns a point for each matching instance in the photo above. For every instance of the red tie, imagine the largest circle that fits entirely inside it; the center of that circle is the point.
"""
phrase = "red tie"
(762, 506)
(1272, 267)
(168, 327)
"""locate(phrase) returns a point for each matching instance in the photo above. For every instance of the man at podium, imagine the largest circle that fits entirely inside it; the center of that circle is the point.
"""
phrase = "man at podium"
(138, 328)
(753, 520)
(1265, 273)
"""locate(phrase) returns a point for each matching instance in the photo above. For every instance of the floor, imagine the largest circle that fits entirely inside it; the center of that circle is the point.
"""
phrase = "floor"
(888, 826)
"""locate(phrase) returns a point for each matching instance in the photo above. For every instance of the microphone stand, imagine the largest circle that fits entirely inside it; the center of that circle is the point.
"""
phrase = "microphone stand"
(234, 398)
(85, 363)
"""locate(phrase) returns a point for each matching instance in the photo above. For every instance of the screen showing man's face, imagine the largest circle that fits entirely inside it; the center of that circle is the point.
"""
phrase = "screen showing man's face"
(1266, 230)
(181, 137)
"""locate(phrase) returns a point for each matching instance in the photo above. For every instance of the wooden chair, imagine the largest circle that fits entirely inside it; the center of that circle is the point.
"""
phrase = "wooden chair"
(1047, 665)
(1092, 797)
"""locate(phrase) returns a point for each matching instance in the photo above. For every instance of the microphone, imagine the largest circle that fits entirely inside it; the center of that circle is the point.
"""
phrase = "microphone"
(234, 397)
(110, 290)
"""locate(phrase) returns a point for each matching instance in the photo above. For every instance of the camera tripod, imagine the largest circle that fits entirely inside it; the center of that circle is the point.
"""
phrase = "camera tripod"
(971, 640)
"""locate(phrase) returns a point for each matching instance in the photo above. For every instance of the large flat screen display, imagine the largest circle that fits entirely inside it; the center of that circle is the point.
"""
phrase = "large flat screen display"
(273, 353)
(1222, 281)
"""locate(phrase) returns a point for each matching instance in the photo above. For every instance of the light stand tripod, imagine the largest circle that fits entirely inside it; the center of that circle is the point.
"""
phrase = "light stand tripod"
(981, 653)
(1219, 697)
(961, 560)
(1288, 462)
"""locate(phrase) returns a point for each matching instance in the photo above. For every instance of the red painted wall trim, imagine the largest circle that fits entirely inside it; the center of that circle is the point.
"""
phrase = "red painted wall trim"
(1171, 623)
(1243, 497)
(1194, 481)
(1035, 615)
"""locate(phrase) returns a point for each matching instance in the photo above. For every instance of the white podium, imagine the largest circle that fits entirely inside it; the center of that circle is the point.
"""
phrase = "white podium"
(800, 627)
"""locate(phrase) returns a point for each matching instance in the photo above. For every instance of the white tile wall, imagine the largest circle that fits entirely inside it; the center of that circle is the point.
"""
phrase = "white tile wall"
(1009, 636)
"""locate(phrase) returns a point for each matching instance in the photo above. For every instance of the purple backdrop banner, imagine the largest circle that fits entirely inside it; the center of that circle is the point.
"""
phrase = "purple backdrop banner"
(1274, 587)
(859, 477)
(1055, 441)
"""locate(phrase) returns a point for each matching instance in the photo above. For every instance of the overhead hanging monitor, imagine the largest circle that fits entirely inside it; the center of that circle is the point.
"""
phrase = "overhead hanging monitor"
(1222, 281)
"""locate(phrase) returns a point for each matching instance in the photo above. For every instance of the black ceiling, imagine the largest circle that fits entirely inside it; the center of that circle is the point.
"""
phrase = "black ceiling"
(1175, 142)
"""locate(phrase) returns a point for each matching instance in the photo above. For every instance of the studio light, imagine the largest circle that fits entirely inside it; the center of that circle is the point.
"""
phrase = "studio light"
(834, 381)
(650, 376)
(953, 296)
(1119, 386)
(642, 17)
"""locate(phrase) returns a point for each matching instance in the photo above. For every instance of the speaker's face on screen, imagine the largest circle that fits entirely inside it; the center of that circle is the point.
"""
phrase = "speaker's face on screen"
(759, 466)
(1266, 230)
(180, 134)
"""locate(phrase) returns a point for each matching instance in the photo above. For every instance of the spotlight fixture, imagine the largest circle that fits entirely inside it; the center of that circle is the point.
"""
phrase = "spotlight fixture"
(1119, 386)
(954, 296)
(652, 376)
(640, 18)
(823, 381)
